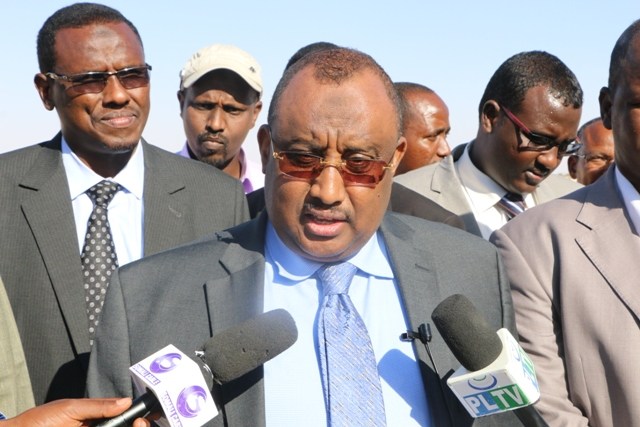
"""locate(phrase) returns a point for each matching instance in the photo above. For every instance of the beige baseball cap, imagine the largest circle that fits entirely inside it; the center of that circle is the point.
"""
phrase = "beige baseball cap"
(222, 56)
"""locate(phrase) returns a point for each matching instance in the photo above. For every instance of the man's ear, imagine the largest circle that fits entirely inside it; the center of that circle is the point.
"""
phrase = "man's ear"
(180, 95)
(256, 112)
(43, 87)
(572, 165)
(605, 106)
(398, 154)
(264, 143)
(489, 115)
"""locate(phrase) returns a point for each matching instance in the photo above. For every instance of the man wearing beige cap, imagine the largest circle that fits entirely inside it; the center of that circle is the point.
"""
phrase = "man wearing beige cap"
(220, 90)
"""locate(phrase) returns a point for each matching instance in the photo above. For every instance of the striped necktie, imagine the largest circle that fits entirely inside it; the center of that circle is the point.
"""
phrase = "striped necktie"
(512, 204)
(350, 380)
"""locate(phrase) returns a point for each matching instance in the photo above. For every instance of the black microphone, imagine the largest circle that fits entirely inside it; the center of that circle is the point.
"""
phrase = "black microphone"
(228, 355)
(477, 346)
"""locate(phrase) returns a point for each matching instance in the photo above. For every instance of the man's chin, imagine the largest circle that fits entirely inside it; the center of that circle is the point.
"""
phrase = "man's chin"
(217, 161)
(121, 147)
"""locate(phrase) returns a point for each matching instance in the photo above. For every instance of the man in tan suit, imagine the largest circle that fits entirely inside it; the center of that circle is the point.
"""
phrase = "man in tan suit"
(573, 266)
(15, 387)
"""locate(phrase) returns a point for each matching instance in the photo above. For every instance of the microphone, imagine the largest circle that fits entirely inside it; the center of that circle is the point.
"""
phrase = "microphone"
(496, 374)
(228, 355)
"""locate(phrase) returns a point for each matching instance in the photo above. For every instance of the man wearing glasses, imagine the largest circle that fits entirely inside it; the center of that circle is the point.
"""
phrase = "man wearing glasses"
(595, 154)
(330, 149)
(529, 115)
(94, 197)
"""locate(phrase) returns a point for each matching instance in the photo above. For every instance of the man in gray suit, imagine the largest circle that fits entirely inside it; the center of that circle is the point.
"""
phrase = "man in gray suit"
(93, 73)
(529, 116)
(573, 265)
(329, 152)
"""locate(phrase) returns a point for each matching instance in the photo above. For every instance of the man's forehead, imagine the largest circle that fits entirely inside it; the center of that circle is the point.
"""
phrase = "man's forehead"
(306, 88)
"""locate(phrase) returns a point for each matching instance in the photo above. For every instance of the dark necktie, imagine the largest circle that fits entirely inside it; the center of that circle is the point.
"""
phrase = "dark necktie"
(512, 204)
(347, 363)
(98, 257)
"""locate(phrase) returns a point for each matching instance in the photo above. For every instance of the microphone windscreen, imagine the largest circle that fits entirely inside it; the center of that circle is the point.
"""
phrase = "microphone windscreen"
(466, 332)
(240, 349)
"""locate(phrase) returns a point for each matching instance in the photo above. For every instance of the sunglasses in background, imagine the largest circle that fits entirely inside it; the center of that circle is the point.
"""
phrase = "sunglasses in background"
(532, 141)
(96, 81)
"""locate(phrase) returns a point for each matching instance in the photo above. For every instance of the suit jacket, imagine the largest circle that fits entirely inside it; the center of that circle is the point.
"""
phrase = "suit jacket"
(573, 266)
(440, 183)
(40, 259)
(403, 200)
(15, 387)
(186, 295)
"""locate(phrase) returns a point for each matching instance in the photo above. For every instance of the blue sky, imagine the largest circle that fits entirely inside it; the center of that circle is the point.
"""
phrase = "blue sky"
(453, 47)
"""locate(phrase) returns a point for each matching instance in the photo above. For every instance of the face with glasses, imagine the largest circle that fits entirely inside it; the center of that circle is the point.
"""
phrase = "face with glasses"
(329, 159)
(100, 90)
(594, 156)
(519, 149)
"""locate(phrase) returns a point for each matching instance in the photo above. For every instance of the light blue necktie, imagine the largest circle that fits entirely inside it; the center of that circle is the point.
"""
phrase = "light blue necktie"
(350, 378)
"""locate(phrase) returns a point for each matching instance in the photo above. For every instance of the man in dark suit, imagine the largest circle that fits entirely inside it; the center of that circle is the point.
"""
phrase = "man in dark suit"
(329, 152)
(93, 73)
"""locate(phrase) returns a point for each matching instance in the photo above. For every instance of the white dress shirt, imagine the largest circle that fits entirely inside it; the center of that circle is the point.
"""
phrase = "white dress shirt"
(293, 387)
(483, 194)
(125, 211)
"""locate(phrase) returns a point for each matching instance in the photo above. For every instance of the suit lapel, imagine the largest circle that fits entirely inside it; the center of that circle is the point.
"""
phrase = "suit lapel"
(609, 240)
(238, 297)
(163, 208)
(420, 291)
(50, 216)
(450, 192)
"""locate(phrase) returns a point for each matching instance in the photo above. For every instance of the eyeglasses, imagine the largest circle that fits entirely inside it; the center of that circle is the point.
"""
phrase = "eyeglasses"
(596, 160)
(96, 81)
(355, 171)
(536, 142)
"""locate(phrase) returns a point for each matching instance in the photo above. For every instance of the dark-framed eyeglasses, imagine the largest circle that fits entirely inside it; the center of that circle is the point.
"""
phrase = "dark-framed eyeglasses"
(96, 81)
(355, 170)
(535, 142)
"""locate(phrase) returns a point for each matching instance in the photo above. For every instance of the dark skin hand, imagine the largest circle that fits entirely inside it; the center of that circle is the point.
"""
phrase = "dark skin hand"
(73, 413)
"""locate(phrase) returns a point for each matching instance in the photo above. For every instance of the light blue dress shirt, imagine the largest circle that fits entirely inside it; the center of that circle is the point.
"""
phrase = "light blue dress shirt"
(125, 210)
(293, 388)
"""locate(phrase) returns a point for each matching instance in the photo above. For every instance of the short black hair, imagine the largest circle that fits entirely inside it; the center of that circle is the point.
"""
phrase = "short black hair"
(304, 50)
(74, 16)
(334, 66)
(620, 51)
(404, 89)
(584, 127)
(523, 71)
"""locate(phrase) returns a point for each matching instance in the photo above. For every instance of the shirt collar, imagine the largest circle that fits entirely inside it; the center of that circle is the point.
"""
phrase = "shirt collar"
(81, 177)
(372, 259)
(483, 191)
(630, 197)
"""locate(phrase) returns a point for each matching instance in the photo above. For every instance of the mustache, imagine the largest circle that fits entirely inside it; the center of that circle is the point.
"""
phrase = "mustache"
(216, 137)
(541, 170)
(319, 210)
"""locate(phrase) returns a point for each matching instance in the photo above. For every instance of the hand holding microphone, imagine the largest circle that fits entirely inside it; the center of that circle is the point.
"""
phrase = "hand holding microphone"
(228, 355)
